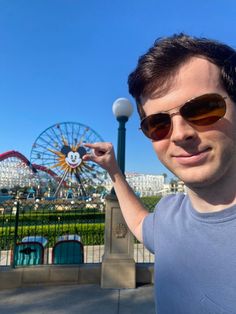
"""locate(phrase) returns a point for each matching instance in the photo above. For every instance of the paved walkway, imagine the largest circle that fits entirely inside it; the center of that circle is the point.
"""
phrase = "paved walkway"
(77, 299)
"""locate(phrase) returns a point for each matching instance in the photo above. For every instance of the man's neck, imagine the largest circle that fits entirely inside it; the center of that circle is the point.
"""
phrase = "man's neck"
(214, 197)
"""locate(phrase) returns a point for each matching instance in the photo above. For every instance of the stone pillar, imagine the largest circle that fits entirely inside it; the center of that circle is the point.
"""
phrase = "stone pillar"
(118, 265)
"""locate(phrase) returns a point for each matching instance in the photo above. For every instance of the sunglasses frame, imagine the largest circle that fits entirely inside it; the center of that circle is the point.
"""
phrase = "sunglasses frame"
(188, 102)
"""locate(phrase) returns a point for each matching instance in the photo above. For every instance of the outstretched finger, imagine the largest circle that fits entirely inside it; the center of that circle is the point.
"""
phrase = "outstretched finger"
(100, 149)
(93, 145)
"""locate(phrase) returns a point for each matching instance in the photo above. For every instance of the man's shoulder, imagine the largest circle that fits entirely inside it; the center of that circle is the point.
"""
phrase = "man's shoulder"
(170, 204)
(172, 201)
(168, 207)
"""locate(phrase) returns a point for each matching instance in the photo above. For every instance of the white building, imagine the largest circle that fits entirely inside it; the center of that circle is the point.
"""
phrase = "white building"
(143, 184)
(146, 184)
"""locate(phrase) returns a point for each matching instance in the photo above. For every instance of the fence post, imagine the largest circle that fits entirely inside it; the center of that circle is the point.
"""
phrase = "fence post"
(17, 203)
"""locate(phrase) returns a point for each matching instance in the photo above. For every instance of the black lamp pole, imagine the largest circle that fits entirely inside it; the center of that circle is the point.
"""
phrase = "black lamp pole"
(121, 143)
(122, 110)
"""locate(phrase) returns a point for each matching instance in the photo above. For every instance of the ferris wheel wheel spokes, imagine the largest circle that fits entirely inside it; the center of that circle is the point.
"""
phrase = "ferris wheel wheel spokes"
(60, 149)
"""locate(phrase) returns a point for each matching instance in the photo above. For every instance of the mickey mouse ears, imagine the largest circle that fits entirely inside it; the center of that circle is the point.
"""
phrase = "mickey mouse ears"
(66, 149)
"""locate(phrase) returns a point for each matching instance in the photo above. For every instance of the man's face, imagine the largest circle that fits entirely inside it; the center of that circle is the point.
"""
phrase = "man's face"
(197, 155)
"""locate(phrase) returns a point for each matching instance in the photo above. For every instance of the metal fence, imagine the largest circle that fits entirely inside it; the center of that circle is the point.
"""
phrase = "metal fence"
(52, 223)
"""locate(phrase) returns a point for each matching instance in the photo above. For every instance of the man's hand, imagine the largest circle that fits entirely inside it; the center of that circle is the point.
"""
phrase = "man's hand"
(103, 154)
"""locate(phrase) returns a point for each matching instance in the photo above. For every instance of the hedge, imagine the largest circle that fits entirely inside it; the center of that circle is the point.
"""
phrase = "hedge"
(48, 218)
(150, 202)
(91, 234)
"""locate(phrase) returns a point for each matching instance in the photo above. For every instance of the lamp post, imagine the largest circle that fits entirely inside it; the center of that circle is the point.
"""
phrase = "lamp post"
(119, 243)
(122, 110)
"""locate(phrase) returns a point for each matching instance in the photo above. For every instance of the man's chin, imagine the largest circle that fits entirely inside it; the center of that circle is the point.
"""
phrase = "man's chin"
(195, 179)
(198, 183)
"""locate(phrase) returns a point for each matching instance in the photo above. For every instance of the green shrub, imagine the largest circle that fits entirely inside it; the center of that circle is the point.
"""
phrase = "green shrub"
(150, 202)
(91, 234)
(32, 218)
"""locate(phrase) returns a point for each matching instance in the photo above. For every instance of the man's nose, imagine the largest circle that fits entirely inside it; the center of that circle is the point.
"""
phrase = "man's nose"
(181, 129)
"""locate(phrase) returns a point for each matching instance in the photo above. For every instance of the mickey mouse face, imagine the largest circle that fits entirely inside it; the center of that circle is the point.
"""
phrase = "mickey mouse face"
(73, 159)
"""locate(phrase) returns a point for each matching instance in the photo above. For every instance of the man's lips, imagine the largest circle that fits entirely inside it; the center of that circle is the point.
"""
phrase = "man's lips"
(194, 158)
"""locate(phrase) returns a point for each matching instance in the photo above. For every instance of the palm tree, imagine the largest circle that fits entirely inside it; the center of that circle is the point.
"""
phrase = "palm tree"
(165, 176)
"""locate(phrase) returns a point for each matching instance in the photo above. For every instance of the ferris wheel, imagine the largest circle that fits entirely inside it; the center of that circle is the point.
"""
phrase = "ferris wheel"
(59, 150)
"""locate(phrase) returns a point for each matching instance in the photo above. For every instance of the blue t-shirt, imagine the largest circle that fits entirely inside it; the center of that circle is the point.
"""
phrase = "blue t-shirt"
(195, 257)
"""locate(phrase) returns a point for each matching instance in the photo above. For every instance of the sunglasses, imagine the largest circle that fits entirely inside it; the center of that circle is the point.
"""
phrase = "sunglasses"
(200, 111)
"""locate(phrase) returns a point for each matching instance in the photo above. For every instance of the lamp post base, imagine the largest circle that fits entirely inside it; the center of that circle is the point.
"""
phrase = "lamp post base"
(118, 265)
(118, 274)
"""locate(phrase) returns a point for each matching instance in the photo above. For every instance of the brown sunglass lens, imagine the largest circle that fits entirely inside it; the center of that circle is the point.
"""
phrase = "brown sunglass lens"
(204, 110)
(156, 126)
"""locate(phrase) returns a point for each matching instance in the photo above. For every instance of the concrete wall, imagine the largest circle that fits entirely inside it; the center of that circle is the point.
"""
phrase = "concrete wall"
(55, 274)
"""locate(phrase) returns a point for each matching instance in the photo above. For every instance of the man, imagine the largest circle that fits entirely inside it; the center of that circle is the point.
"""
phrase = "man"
(185, 89)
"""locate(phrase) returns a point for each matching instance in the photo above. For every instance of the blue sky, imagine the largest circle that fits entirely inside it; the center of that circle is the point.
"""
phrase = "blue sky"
(68, 60)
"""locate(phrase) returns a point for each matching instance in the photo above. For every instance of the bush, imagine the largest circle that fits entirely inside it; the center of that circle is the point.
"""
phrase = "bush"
(150, 202)
(91, 234)
(32, 218)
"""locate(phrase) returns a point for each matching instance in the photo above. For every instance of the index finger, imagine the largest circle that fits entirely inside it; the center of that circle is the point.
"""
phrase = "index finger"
(92, 145)
(104, 146)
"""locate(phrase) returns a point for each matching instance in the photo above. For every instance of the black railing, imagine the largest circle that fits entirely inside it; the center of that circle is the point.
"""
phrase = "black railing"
(53, 221)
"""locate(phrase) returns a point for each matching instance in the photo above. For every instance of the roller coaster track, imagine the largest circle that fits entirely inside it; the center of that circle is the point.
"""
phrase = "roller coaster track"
(33, 167)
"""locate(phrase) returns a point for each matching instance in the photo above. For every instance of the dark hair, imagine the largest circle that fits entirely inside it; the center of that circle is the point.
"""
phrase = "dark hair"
(157, 67)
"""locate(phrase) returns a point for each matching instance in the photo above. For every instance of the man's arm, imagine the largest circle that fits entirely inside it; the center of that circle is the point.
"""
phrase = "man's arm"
(131, 207)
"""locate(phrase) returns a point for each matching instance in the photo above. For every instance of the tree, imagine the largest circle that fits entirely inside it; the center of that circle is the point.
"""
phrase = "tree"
(165, 176)
(100, 189)
(174, 185)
